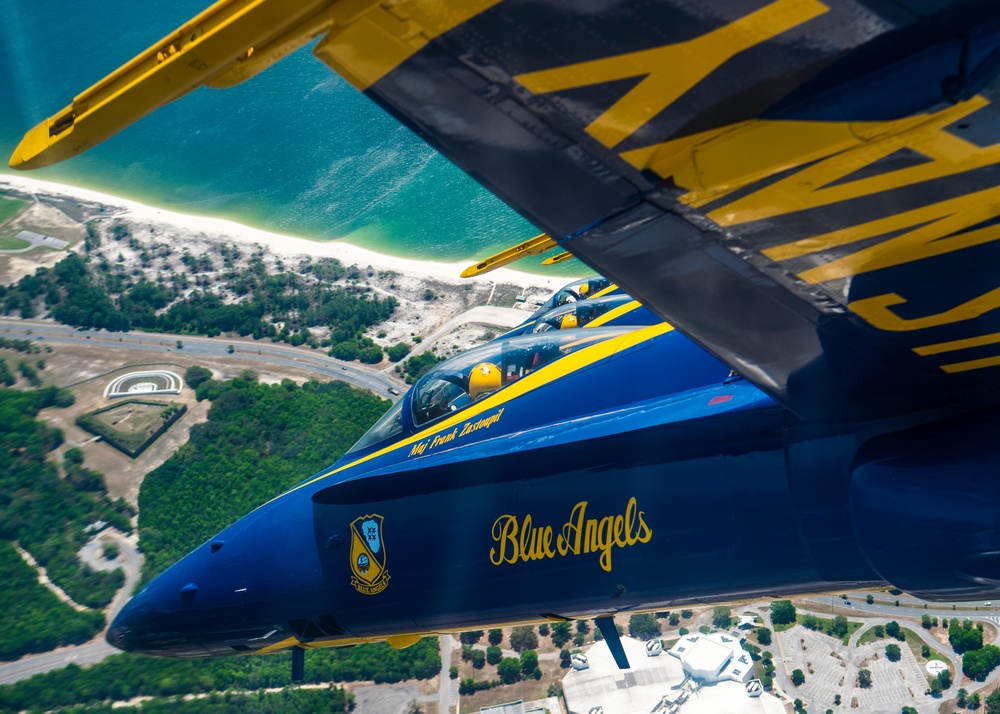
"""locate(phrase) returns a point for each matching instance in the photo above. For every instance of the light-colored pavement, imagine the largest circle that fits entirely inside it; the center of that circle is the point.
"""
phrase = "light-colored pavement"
(308, 359)
(36, 240)
(448, 688)
(483, 315)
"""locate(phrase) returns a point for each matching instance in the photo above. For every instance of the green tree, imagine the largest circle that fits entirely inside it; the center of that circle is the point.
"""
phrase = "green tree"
(543, 630)
(398, 351)
(453, 672)
(674, 619)
(892, 629)
(494, 654)
(977, 664)
(925, 621)
(798, 678)
(565, 659)
(687, 614)
(529, 661)
(925, 651)
(839, 627)
(870, 599)
(864, 678)
(523, 638)
(478, 659)
(879, 631)
(764, 636)
(960, 697)
(495, 636)
(782, 612)
(893, 653)
(643, 626)
(964, 637)
(582, 626)
(910, 710)
(944, 677)
(973, 701)
(196, 375)
(560, 633)
(509, 670)
(722, 617)
(810, 622)
(471, 637)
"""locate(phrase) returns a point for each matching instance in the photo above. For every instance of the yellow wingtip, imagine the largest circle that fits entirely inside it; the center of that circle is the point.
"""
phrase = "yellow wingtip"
(532, 246)
(560, 258)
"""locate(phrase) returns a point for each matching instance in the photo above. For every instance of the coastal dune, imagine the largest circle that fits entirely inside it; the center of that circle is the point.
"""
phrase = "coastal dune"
(285, 246)
(430, 295)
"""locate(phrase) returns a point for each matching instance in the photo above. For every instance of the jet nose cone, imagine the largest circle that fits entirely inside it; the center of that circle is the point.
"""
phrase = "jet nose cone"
(122, 633)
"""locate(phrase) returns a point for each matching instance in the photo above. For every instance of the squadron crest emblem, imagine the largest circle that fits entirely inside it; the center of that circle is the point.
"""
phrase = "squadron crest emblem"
(368, 555)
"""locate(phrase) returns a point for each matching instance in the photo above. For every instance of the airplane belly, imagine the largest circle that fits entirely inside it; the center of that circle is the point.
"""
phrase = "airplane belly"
(661, 516)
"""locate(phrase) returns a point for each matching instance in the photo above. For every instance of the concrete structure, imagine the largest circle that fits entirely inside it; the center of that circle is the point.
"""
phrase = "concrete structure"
(36, 240)
(151, 382)
(535, 707)
(654, 648)
(659, 685)
(716, 657)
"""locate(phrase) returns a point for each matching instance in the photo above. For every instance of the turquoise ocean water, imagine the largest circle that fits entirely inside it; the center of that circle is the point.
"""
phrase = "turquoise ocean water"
(295, 150)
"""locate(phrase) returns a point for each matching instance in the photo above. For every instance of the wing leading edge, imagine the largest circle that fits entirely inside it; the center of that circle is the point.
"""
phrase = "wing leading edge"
(809, 189)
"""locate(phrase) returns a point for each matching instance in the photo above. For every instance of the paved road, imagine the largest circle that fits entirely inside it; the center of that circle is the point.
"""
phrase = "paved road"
(305, 358)
(882, 608)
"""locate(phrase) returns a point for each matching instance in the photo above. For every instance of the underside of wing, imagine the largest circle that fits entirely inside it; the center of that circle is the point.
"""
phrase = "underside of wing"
(809, 189)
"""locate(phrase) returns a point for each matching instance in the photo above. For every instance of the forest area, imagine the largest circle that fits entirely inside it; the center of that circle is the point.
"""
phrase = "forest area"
(47, 514)
(258, 441)
(124, 676)
(283, 307)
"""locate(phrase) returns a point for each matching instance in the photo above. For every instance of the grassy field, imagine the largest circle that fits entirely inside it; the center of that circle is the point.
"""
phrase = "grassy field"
(916, 644)
(825, 623)
(130, 423)
(9, 242)
(10, 207)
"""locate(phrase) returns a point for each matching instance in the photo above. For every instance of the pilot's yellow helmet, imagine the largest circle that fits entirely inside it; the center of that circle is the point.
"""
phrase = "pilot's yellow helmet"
(568, 321)
(485, 377)
(585, 288)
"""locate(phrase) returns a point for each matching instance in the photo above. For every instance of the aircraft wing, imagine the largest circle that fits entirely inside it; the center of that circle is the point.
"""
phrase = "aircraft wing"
(809, 189)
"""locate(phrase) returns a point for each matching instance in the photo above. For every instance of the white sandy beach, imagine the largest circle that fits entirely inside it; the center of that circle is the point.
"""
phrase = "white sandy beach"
(284, 246)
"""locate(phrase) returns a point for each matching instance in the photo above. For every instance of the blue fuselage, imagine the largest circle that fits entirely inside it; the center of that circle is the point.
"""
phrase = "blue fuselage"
(634, 473)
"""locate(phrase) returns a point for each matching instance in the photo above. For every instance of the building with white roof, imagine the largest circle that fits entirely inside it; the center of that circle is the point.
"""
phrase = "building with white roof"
(664, 684)
(715, 657)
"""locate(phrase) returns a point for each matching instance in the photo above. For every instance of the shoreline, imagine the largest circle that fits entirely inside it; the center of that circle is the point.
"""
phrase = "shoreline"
(285, 246)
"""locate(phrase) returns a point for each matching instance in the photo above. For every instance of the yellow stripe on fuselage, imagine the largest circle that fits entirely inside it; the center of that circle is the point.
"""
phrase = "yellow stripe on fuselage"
(550, 373)
(601, 293)
(614, 314)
